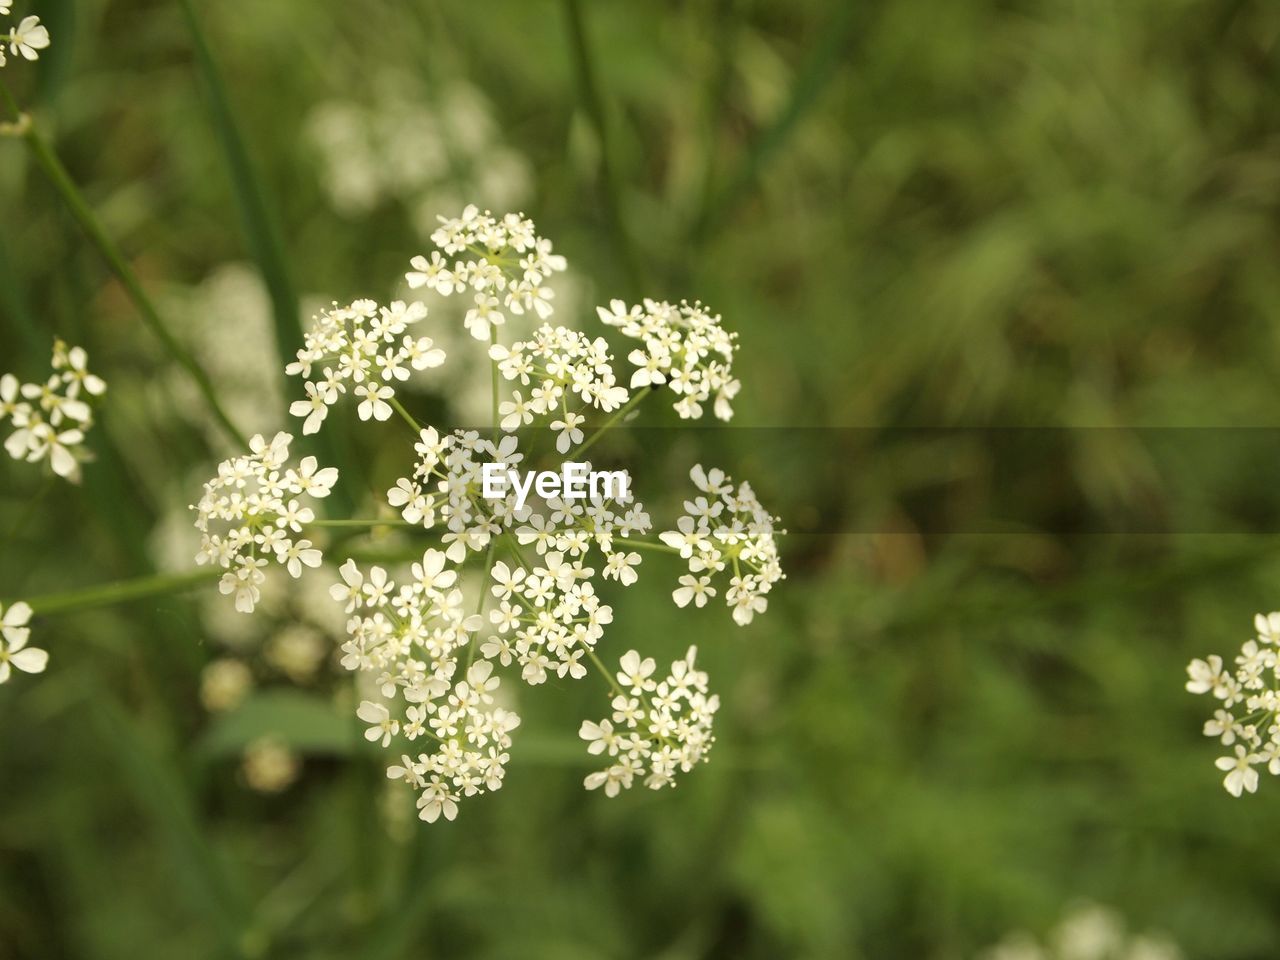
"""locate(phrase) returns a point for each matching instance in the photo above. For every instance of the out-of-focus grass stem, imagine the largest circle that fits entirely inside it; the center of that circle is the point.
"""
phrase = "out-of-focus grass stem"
(52, 167)
(594, 103)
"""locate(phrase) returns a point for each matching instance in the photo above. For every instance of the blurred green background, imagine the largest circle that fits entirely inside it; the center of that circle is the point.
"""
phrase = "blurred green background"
(1047, 213)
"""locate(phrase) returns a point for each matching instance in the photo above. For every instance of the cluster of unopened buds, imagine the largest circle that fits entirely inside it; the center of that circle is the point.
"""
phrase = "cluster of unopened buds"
(25, 39)
(50, 418)
(1247, 717)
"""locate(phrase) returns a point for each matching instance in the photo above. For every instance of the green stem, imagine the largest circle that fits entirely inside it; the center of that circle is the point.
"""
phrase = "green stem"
(616, 418)
(405, 415)
(648, 545)
(122, 591)
(493, 340)
(484, 596)
(362, 522)
(593, 102)
(48, 161)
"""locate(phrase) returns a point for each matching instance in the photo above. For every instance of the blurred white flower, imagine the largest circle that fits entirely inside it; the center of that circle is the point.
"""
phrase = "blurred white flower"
(269, 765)
(224, 683)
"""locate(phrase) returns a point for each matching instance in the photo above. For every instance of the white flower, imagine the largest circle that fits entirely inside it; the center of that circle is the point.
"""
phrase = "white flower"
(727, 530)
(384, 726)
(636, 673)
(14, 634)
(562, 366)
(374, 405)
(28, 38)
(695, 589)
(1240, 776)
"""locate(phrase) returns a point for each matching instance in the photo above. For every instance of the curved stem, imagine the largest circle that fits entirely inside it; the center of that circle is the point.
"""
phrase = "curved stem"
(48, 161)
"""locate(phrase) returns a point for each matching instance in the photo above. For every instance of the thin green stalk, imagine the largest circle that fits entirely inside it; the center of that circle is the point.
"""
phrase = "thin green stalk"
(260, 224)
(648, 545)
(593, 102)
(48, 161)
(121, 591)
(493, 341)
(256, 216)
(406, 416)
(484, 596)
(621, 412)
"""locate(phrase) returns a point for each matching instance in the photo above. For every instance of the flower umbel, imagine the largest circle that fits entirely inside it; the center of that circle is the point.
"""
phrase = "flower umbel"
(363, 345)
(725, 528)
(504, 263)
(685, 347)
(1247, 718)
(657, 727)
(253, 511)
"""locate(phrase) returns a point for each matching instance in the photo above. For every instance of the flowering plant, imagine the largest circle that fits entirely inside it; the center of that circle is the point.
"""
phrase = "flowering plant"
(432, 654)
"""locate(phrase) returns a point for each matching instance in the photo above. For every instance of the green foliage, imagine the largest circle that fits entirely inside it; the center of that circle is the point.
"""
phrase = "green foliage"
(1045, 214)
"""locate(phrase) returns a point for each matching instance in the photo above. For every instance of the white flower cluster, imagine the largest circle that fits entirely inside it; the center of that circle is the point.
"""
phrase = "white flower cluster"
(548, 618)
(409, 637)
(446, 487)
(252, 511)
(50, 419)
(658, 727)
(557, 363)
(726, 529)
(1248, 715)
(27, 39)
(363, 344)
(474, 736)
(685, 347)
(14, 634)
(1088, 932)
(507, 267)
